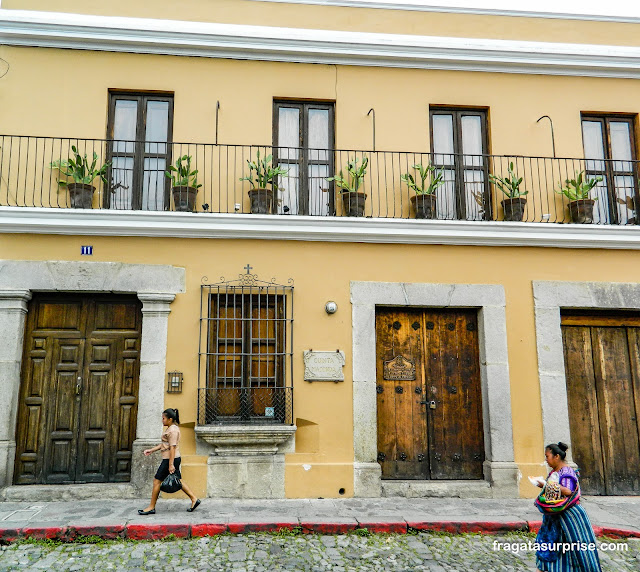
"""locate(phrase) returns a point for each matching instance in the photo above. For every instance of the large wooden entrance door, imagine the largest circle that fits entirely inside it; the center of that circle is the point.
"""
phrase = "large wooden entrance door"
(429, 396)
(78, 396)
(602, 363)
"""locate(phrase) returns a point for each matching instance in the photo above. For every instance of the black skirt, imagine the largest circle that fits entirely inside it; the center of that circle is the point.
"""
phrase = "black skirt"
(163, 470)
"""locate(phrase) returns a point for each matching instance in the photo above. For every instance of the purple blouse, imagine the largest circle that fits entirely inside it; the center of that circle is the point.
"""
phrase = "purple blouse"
(568, 478)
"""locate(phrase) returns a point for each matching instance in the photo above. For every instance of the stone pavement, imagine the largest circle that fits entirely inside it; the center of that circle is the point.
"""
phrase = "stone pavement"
(613, 516)
(307, 553)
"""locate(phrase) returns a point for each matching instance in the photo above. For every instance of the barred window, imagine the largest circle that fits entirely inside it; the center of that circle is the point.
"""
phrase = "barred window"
(247, 356)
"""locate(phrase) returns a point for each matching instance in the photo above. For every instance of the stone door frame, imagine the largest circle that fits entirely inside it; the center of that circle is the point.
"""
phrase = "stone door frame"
(550, 297)
(500, 470)
(155, 286)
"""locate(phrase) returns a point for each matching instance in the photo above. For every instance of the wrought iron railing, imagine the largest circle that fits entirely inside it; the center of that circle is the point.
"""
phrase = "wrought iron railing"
(238, 405)
(134, 179)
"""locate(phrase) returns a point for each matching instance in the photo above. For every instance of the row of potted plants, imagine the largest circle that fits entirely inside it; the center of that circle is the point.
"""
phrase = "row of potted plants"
(263, 176)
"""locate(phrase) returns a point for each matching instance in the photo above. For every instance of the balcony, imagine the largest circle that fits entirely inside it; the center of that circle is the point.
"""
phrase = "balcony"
(131, 177)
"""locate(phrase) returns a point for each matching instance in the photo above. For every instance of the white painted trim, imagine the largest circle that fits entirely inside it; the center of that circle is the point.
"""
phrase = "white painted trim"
(309, 228)
(141, 35)
(419, 7)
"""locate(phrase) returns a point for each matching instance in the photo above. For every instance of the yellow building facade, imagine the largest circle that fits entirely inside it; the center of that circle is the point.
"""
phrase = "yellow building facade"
(317, 343)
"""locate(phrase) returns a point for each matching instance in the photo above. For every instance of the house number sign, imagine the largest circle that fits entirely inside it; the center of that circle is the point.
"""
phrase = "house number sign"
(323, 366)
(399, 369)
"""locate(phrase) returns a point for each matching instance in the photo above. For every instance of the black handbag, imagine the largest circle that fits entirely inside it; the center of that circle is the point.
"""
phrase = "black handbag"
(171, 483)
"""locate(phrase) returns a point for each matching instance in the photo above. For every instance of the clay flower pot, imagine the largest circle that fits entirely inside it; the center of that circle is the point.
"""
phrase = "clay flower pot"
(425, 206)
(261, 201)
(81, 195)
(353, 203)
(514, 209)
(184, 198)
(581, 211)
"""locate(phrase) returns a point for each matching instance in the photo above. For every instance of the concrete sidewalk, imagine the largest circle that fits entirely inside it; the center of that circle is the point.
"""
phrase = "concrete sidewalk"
(611, 516)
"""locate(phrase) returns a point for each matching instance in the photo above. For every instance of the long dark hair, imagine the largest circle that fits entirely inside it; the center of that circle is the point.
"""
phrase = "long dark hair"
(558, 448)
(172, 414)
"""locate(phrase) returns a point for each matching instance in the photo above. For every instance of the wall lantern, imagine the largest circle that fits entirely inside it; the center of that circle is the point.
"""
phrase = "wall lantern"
(174, 383)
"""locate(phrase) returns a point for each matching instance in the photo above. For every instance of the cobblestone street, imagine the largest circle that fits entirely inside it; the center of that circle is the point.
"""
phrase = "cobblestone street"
(315, 553)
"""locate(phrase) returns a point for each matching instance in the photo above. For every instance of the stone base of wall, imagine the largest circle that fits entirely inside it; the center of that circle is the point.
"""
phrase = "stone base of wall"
(367, 480)
(68, 493)
(249, 477)
(143, 468)
(440, 489)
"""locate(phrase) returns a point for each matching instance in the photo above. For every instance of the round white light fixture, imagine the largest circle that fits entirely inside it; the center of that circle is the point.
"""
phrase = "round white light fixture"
(331, 307)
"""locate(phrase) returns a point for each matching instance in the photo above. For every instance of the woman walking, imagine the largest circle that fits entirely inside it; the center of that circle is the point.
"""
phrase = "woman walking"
(564, 521)
(170, 461)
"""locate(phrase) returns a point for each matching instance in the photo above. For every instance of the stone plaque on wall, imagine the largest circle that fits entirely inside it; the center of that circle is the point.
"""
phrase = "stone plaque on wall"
(323, 366)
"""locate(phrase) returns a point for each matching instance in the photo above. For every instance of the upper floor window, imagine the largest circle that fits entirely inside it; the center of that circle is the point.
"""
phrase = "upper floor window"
(610, 152)
(459, 144)
(140, 126)
(303, 143)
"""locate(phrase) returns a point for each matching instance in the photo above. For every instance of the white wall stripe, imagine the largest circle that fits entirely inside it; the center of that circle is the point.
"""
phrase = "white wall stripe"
(77, 31)
(307, 228)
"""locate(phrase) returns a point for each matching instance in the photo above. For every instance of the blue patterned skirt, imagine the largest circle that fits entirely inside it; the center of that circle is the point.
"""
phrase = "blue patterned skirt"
(574, 527)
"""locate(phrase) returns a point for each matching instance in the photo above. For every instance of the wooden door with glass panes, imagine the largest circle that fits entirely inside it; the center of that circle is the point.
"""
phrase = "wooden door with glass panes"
(610, 153)
(303, 144)
(77, 412)
(139, 132)
(429, 402)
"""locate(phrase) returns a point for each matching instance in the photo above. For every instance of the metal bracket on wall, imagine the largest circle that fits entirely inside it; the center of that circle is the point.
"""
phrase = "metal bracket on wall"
(374, 126)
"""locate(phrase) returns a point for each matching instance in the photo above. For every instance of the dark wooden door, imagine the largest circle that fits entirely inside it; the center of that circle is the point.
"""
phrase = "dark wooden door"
(429, 398)
(602, 362)
(78, 397)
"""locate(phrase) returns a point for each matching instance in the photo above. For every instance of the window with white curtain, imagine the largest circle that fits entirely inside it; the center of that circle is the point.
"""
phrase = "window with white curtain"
(459, 146)
(140, 130)
(303, 144)
(609, 152)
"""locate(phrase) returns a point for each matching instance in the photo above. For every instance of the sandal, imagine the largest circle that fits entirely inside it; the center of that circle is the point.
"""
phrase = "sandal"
(194, 507)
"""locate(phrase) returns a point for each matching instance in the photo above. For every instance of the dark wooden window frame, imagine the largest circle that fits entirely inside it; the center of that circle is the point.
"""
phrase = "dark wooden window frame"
(139, 154)
(458, 167)
(303, 158)
(609, 172)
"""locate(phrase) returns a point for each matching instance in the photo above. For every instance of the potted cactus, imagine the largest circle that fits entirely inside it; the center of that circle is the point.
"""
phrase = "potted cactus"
(263, 174)
(83, 173)
(184, 184)
(353, 199)
(425, 200)
(578, 191)
(514, 202)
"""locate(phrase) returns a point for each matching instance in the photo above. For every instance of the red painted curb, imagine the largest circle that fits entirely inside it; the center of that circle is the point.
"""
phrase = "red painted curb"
(243, 527)
(8, 535)
(534, 525)
(398, 527)
(106, 532)
(156, 531)
(618, 532)
(45, 532)
(198, 530)
(327, 527)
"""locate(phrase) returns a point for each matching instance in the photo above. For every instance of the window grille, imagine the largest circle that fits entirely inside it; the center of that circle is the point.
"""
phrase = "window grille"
(246, 362)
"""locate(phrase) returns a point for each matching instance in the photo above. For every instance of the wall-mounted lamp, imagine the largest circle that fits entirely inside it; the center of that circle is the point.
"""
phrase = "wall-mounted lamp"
(174, 382)
(331, 307)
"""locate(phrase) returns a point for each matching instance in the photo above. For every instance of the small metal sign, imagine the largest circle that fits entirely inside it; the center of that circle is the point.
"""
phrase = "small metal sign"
(86, 250)
(399, 369)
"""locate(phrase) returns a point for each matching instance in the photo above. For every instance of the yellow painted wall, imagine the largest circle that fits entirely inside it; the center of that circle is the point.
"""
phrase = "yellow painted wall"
(40, 97)
(328, 445)
(351, 19)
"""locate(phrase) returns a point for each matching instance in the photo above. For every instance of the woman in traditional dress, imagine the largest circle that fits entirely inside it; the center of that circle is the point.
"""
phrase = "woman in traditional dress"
(564, 519)
(170, 461)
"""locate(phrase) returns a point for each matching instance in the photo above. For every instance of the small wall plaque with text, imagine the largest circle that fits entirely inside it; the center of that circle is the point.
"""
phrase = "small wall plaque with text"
(323, 366)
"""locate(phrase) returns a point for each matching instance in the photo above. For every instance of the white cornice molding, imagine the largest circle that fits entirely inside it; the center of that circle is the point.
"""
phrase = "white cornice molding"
(307, 228)
(414, 6)
(140, 35)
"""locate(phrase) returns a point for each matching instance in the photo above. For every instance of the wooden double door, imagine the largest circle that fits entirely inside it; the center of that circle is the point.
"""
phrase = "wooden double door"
(428, 394)
(79, 391)
(602, 363)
